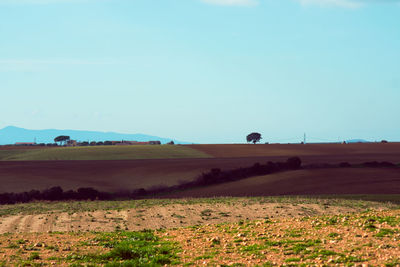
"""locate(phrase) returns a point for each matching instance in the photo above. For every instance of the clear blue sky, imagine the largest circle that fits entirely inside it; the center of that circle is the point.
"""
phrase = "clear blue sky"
(205, 71)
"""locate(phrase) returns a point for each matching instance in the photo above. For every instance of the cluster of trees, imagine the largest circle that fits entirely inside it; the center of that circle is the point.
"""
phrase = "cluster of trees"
(94, 143)
(218, 176)
(370, 164)
(57, 194)
(212, 177)
(376, 164)
(64, 139)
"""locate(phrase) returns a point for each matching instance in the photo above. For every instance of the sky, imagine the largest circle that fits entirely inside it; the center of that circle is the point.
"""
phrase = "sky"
(203, 71)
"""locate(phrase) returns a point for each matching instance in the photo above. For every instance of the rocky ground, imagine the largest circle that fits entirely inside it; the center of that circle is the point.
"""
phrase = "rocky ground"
(240, 233)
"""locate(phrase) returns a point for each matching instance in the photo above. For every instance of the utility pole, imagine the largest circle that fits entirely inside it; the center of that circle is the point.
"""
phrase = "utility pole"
(305, 139)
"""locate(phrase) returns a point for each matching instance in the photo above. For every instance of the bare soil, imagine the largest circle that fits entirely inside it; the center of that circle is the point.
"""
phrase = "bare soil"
(381, 151)
(160, 217)
(318, 241)
(109, 175)
(306, 182)
(117, 175)
(271, 234)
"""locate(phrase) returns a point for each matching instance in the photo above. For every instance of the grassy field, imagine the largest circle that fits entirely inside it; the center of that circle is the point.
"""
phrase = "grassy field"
(273, 231)
(103, 153)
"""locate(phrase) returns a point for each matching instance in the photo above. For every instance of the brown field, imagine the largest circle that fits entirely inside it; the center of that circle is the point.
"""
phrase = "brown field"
(19, 176)
(348, 152)
(306, 182)
(116, 175)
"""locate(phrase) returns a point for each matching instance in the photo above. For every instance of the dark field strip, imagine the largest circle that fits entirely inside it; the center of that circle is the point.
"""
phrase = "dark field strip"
(116, 175)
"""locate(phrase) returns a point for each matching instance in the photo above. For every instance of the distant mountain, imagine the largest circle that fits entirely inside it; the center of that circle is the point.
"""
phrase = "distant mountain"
(357, 141)
(11, 135)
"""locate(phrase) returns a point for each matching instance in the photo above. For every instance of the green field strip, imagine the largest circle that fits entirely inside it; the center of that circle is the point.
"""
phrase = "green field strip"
(104, 153)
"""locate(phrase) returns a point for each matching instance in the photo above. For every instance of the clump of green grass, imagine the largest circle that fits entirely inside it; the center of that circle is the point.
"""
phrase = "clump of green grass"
(132, 249)
(392, 263)
(385, 232)
(34, 256)
(205, 213)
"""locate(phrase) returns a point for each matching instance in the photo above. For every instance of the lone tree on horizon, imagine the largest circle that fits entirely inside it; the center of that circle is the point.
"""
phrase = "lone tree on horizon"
(62, 139)
(254, 138)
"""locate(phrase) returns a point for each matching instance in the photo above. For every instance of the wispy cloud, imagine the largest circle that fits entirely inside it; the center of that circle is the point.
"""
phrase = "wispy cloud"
(232, 2)
(346, 3)
(40, 64)
(41, 2)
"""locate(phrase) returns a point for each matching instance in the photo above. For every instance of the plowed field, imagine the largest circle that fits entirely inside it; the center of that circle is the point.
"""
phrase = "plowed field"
(306, 182)
(173, 164)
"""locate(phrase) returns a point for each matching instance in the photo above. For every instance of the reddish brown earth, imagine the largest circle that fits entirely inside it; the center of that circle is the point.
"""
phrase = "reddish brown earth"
(351, 152)
(18, 176)
(306, 182)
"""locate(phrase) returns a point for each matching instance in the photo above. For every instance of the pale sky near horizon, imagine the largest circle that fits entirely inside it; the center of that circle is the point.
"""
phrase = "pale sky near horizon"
(203, 71)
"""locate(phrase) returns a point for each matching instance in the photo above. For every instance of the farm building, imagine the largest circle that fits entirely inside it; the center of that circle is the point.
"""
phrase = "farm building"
(72, 143)
(154, 143)
(129, 143)
(25, 144)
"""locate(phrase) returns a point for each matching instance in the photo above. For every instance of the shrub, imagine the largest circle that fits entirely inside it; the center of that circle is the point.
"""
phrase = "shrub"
(344, 165)
(293, 163)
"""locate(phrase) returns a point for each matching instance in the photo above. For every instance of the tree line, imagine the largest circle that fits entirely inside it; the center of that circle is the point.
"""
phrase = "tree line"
(214, 176)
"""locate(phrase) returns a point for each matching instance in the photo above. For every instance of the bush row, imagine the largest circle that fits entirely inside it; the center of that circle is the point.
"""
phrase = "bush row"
(214, 176)
(57, 194)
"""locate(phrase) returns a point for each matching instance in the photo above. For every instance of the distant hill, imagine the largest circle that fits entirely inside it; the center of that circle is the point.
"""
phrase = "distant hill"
(11, 135)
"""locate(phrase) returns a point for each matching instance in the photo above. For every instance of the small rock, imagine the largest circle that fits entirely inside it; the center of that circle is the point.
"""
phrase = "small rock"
(39, 245)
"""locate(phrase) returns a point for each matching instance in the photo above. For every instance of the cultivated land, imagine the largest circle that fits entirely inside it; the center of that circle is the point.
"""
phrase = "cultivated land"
(101, 153)
(306, 182)
(132, 167)
(329, 225)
